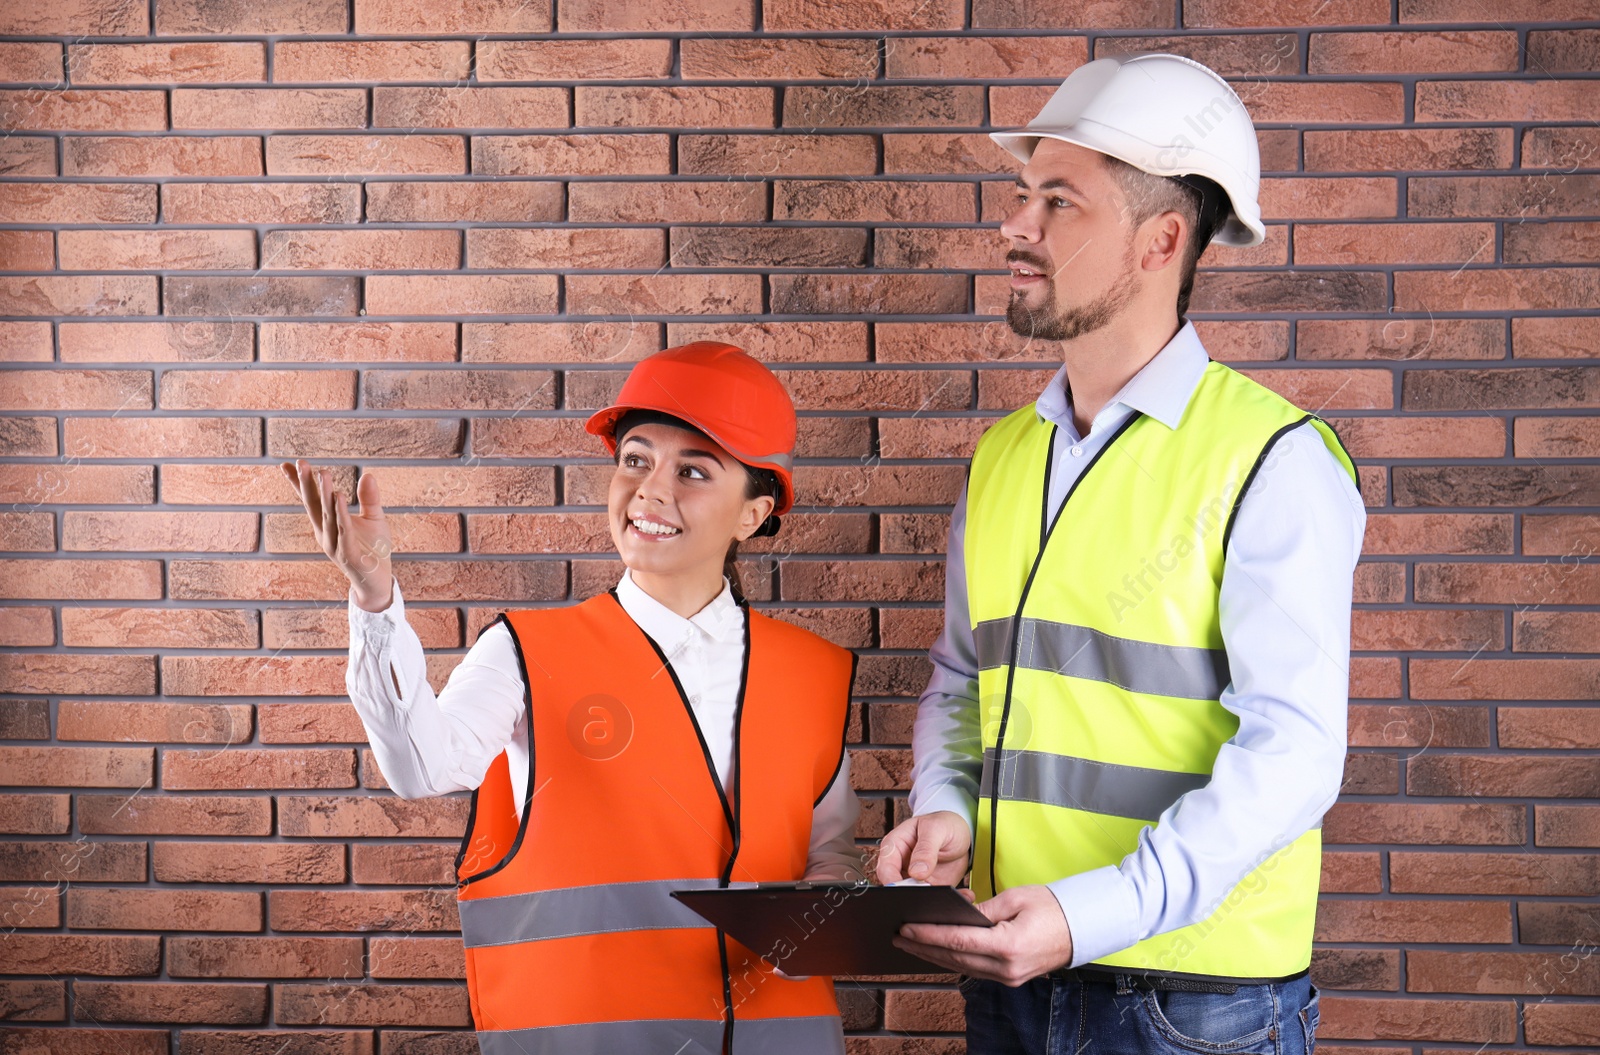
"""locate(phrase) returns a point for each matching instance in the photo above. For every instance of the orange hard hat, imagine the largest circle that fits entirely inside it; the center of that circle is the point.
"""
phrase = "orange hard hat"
(722, 391)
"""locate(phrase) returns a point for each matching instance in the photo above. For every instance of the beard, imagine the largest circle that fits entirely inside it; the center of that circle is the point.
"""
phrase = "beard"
(1051, 322)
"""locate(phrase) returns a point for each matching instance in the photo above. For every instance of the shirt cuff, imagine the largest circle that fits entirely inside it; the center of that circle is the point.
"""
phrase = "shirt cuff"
(381, 622)
(1100, 911)
(953, 799)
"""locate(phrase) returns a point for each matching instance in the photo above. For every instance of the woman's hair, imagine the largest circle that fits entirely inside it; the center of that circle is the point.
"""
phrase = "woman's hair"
(758, 482)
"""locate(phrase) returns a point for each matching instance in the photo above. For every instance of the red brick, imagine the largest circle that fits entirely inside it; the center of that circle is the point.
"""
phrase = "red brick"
(914, 628)
(1564, 148)
(1377, 969)
(879, 485)
(1264, 291)
(1351, 873)
(34, 814)
(589, 16)
(1400, 339)
(27, 250)
(214, 484)
(31, 486)
(82, 860)
(83, 110)
(1407, 149)
(63, 389)
(257, 389)
(259, 957)
(1493, 873)
(516, 390)
(1541, 243)
(71, 578)
(248, 676)
(261, 203)
(1230, 13)
(166, 63)
(734, 58)
(76, 17)
(360, 250)
(534, 60)
(1411, 533)
(1505, 679)
(170, 1002)
(672, 202)
(1419, 726)
(694, 107)
(76, 295)
(26, 342)
(1362, 920)
(156, 341)
(1546, 727)
(1403, 243)
(827, 106)
(1424, 823)
(1328, 198)
(71, 673)
(469, 107)
(38, 62)
(174, 815)
(566, 248)
(34, 532)
(804, 340)
(272, 109)
(273, 295)
(371, 60)
(839, 15)
(101, 908)
(413, 533)
(154, 722)
(362, 910)
(118, 530)
(874, 294)
(410, 154)
(1507, 100)
(26, 626)
(314, 723)
(1291, 102)
(1352, 1018)
(1405, 437)
(1566, 826)
(769, 247)
(358, 341)
(31, 156)
(306, 1042)
(452, 16)
(1523, 197)
(797, 154)
(79, 203)
(1561, 1023)
(59, 1041)
(410, 864)
(914, 532)
(951, 58)
(1413, 52)
(80, 954)
(473, 201)
(1438, 971)
(181, 17)
(268, 768)
(33, 1001)
(463, 294)
(416, 957)
(873, 200)
(599, 154)
(371, 1005)
(835, 580)
(1556, 438)
(1555, 632)
(664, 294)
(350, 816)
(176, 862)
(1561, 535)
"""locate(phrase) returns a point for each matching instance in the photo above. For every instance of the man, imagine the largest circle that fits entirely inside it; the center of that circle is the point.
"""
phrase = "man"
(1137, 713)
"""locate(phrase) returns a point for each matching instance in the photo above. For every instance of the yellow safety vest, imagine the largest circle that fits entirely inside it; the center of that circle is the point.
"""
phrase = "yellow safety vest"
(1102, 662)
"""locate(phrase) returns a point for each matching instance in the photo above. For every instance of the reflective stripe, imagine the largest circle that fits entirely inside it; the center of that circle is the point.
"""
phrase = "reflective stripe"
(572, 911)
(1082, 652)
(667, 1036)
(812, 1035)
(1079, 784)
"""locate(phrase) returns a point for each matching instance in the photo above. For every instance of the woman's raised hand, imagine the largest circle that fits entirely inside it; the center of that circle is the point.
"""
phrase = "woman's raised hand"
(359, 544)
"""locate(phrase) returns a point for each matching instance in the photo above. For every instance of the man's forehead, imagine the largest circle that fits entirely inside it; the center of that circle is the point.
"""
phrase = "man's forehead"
(1064, 164)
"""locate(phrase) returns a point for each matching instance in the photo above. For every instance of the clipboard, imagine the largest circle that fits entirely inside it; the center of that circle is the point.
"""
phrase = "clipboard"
(831, 928)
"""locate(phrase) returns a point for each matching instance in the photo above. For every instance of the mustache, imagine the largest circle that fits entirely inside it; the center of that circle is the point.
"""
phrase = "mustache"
(1017, 256)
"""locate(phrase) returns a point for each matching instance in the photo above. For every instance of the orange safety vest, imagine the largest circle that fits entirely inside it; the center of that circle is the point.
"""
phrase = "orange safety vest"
(573, 943)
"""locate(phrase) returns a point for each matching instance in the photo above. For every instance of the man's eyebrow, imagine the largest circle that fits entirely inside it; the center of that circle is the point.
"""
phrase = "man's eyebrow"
(1052, 184)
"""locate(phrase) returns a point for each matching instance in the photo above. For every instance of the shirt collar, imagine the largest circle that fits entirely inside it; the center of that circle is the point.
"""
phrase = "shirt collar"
(1161, 388)
(721, 620)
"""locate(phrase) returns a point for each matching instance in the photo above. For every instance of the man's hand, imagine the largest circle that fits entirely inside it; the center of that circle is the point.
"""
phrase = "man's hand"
(1029, 938)
(936, 845)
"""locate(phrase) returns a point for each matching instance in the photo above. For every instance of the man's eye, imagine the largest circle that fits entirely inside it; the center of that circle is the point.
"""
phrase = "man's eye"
(1060, 202)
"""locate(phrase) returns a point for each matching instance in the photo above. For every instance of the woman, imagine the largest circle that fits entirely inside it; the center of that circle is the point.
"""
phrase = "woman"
(660, 736)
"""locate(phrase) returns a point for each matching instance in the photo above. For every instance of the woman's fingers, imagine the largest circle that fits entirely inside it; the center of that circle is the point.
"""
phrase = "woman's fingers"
(330, 522)
(306, 477)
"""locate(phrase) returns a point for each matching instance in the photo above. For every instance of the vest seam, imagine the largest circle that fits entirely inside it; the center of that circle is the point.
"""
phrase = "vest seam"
(1022, 603)
(844, 730)
(1244, 489)
(527, 792)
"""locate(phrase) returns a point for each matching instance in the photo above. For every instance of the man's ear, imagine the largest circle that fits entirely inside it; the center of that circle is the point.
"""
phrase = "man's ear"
(1167, 234)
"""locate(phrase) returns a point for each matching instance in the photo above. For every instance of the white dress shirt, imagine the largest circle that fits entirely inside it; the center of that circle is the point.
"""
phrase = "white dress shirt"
(427, 745)
(1285, 612)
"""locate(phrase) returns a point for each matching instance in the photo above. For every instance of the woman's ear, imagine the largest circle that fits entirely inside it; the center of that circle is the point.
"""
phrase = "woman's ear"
(755, 514)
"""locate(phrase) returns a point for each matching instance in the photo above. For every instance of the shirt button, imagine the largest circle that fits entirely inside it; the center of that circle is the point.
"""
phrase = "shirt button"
(1077, 452)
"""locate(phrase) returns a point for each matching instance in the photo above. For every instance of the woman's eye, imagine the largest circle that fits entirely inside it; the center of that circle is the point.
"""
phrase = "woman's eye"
(632, 461)
(699, 473)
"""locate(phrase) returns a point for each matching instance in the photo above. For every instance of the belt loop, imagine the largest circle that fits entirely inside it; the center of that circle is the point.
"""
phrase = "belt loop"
(1124, 984)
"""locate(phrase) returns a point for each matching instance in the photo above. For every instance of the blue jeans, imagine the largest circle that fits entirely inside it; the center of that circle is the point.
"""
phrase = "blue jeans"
(1056, 1016)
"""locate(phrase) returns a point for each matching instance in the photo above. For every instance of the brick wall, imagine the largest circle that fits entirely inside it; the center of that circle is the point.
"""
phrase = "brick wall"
(427, 238)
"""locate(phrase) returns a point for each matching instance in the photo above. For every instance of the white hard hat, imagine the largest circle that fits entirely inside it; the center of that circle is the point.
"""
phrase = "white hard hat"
(1165, 114)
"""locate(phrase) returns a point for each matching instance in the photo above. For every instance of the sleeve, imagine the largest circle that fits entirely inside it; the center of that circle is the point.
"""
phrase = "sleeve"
(833, 853)
(427, 745)
(1285, 611)
(947, 748)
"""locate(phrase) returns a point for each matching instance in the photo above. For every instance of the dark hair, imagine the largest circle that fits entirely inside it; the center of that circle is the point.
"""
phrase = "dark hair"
(1201, 202)
(758, 482)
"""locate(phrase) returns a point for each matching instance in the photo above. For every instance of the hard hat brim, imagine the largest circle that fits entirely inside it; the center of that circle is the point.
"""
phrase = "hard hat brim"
(1236, 230)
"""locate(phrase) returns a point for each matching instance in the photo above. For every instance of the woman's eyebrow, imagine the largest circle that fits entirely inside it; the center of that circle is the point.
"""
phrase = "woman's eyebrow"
(694, 452)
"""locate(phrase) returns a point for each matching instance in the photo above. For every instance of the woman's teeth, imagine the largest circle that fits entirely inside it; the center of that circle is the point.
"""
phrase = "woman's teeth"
(652, 528)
